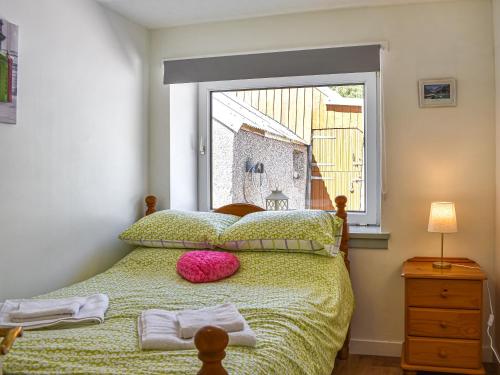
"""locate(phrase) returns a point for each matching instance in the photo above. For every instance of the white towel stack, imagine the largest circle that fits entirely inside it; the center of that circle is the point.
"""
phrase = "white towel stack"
(225, 316)
(29, 311)
(166, 330)
(32, 314)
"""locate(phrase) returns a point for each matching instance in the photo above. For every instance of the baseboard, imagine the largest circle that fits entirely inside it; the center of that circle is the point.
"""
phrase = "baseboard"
(375, 347)
(392, 348)
(487, 354)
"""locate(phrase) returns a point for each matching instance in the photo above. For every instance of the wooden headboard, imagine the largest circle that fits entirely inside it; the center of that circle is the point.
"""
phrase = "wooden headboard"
(242, 209)
(239, 209)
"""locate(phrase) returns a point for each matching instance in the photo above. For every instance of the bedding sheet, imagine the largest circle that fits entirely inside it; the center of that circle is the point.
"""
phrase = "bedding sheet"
(299, 306)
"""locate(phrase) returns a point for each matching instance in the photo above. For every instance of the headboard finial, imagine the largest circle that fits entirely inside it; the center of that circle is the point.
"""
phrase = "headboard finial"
(151, 201)
(340, 202)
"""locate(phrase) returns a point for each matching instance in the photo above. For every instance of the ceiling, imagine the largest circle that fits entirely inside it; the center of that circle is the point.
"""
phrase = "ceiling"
(167, 13)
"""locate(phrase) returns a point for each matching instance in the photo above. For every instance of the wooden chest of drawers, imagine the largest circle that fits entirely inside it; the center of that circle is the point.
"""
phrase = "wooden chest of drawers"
(443, 317)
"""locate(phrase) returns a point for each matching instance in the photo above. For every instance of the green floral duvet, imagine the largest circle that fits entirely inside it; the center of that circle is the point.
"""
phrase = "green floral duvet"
(299, 306)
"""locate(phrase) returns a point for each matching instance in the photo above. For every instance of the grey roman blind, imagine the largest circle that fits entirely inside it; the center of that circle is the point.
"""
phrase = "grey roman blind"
(355, 59)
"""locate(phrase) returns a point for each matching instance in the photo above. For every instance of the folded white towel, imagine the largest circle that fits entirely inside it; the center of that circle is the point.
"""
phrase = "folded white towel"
(91, 310)
(158, 330)
(225, 316)
(37, 309)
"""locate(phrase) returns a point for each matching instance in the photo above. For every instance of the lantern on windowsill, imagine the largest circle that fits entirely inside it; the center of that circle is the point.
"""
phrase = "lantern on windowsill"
(277, 201)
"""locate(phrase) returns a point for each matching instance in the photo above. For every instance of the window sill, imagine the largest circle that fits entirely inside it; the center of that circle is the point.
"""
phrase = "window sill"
(370, 237)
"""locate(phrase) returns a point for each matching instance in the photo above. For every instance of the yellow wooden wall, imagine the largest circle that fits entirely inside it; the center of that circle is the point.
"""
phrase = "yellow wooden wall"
(337, 139)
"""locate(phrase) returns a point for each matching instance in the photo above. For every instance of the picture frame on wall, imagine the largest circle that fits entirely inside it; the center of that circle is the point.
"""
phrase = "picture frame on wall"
(437, 93)
(8, 71)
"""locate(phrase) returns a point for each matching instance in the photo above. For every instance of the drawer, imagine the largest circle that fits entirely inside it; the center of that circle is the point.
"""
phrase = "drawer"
(448, 323)
(465, 294)
(443, 352)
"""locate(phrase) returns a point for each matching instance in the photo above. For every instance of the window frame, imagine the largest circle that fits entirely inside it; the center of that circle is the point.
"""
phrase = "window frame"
(371, 83)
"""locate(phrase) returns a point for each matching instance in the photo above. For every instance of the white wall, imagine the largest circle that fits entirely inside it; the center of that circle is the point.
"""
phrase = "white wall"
(74, 168)
(183, 145)
(159, 138)
(432, 154)
(496, 28)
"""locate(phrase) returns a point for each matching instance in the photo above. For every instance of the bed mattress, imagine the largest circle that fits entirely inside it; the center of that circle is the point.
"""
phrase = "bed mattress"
(299, 306)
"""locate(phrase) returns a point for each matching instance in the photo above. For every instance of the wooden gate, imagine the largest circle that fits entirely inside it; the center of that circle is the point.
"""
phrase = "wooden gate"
(332, 173)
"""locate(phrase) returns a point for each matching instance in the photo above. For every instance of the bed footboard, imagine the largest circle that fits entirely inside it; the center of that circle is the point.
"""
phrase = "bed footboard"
(10, 335)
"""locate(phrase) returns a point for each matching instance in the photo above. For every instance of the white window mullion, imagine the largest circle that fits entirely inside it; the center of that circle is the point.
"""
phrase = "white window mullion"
(204, 149)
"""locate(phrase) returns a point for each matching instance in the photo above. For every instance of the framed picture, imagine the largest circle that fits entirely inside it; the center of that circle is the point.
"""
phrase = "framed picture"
(437, 92)
(8, 72)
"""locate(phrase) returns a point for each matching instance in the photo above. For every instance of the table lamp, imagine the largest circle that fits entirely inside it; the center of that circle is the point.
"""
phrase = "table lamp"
(442, 219)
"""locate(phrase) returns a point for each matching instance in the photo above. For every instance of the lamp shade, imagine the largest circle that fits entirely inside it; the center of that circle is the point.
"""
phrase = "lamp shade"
(442, 218)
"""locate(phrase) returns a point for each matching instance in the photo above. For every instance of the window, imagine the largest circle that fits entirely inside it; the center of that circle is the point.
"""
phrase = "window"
(312, 137)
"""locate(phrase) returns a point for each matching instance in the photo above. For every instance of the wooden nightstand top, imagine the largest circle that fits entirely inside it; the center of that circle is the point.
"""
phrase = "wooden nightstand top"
(421, 268)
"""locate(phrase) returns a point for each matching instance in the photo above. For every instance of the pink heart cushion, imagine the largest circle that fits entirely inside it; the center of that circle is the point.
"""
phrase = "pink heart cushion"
(203, 266)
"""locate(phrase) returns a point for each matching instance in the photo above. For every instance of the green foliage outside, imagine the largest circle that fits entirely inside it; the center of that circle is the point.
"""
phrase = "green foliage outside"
(349, 91)
(4, 79)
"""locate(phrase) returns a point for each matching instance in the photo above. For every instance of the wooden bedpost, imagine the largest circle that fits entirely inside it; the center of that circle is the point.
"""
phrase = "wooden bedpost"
(211, 342)
(341, 202)
(10, 335)
(151, 201)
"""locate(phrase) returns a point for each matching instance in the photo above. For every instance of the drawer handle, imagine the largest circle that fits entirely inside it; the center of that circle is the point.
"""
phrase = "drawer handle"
(442, 354)
(443, 325)
(444, 293)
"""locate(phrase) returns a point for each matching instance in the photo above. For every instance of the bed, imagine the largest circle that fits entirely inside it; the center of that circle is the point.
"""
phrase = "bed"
(299, 305)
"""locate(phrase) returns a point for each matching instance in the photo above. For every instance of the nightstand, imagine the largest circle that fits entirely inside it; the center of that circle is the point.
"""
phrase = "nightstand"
(443, 317)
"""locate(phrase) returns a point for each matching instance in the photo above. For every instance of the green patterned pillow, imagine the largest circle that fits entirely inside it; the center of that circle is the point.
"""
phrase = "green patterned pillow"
(305, 231)
(178, 229)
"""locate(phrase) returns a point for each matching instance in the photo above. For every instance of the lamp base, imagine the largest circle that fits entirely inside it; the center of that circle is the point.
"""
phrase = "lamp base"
(441, 265)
